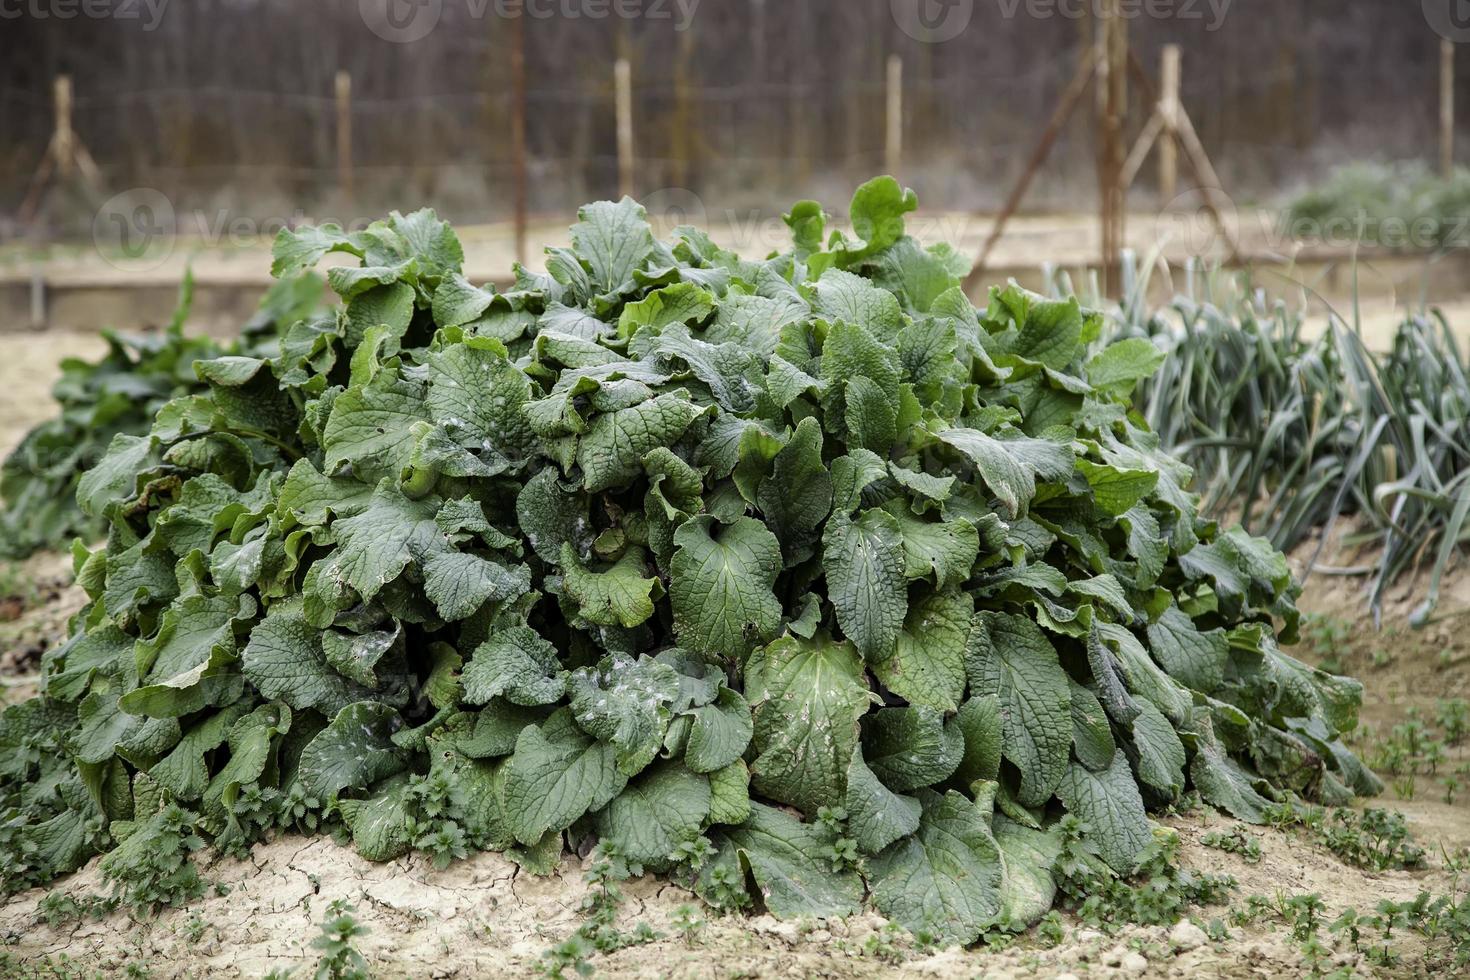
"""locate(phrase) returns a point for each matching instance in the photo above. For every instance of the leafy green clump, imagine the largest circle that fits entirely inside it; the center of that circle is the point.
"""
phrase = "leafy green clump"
(1293, 432)
(801, 579)
(1441, 923)
(340, 959)
(1235, 841)
(1162, 894)
(117, 394)
(1373, 838)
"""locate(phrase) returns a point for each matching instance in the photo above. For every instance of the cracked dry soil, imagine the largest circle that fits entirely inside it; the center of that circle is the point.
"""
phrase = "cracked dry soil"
(485, 917)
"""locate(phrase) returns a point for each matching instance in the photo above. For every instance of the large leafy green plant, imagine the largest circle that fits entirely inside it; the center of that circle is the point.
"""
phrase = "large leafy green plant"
(800, 577)
(118, 393)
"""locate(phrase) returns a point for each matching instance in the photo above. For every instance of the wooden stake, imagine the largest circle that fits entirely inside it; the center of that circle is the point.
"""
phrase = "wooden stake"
(623, 85)
(1447, 108)
(1112, 66)
(1119, 99)
(1100, 61)
(38, 298)
(32, 199)
(1168, 113)
(682, 126)
(64, 152)
(344, 134)
(1204, 174)
(68, 149)
(64, 136)
(1194, 152)
(1104, 61)
(518, 130)
(893, 146)
(1072, 95)
(1170, 123)
(1146, 140)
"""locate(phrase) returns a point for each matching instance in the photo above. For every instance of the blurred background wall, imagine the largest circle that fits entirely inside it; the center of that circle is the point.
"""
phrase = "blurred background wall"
(230, 106)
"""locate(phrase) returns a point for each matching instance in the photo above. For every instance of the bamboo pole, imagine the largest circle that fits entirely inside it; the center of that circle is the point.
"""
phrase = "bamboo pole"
(1146, 140)
(518, 130)
(1169, 113)
(1071, 96)
(344, 134)
(1446, 108)
(1209, 181)
(1118, 100)
(64, 134)
(893, 145)
(623, 86)
(64, 152)
(1112, 66)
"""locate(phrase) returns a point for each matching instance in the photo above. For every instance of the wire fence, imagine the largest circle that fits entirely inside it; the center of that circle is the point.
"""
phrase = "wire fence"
(772, 125)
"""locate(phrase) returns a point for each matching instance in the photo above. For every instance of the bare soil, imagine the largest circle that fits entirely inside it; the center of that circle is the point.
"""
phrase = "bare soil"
(485, 917)
(36, 600)
(1401, 667)
(31, 365)
(36, 597)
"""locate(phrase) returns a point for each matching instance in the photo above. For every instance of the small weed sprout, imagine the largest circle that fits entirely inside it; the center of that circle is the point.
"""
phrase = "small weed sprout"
(340, 959)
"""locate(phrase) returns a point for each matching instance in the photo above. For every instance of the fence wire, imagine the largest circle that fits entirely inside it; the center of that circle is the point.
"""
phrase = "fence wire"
(755, 121)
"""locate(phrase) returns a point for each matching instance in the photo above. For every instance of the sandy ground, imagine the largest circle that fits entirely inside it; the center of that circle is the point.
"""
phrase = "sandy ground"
(31, 365)
(1064, 240)
(485, 917)
(35, 595)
